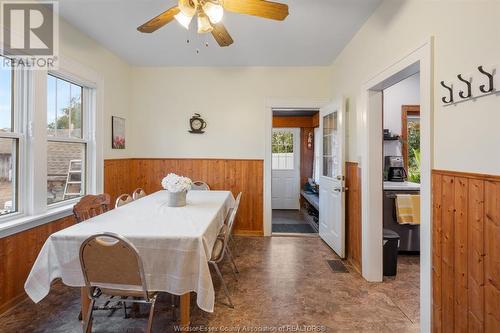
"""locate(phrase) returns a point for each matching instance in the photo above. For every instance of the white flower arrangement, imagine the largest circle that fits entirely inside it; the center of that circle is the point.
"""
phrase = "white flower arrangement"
(174, 183)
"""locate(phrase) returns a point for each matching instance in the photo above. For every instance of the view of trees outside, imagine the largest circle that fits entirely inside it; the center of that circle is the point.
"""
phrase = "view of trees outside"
(282, 142)
(64, 108)
(414, 150)
(282, 149)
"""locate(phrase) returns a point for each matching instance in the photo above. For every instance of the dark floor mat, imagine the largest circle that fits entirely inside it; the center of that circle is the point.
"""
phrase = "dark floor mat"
(337, 266)
(294, 228)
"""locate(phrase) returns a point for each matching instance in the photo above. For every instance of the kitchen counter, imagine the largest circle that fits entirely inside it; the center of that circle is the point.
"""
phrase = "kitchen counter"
(401, 186)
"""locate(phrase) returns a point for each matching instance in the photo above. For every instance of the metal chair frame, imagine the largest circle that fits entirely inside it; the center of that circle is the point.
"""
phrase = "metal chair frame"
(224, 237)
(94, 292)
(200, 186)
(123, 199)
(138, 193)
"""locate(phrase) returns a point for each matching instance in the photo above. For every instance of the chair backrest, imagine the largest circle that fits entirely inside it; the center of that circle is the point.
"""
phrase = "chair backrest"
(200, 186)
(231, 218)
(138, 193)
(90, 206)
(109, 259)
(123, 200)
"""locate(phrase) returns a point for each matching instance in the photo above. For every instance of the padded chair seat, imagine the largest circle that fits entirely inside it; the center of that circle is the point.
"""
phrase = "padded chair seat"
(217, 250)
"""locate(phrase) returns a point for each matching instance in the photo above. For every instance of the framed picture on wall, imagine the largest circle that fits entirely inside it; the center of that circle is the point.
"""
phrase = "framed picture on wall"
(117, 132)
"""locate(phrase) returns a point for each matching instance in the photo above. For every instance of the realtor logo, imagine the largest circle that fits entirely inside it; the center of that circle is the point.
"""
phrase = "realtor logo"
(30, 33)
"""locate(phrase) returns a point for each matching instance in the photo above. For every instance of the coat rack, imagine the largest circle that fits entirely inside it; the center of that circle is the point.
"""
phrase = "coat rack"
(466, 82)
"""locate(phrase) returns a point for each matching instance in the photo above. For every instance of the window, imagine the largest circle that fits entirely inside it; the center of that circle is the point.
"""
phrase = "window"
(282, 149)
(66, 148)
(49, 150)
(9, 143)
(331, 165)
(411, 141)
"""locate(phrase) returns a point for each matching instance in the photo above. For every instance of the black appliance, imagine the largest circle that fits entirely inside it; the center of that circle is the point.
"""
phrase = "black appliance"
(394, 169)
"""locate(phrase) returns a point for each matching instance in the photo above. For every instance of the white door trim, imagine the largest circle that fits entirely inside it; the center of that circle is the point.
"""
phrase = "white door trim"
(279, 103)
(371, 165)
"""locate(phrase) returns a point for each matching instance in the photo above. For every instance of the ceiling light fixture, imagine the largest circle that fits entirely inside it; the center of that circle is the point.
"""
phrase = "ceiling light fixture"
(214, 11)
(183, 19)
(204, 24)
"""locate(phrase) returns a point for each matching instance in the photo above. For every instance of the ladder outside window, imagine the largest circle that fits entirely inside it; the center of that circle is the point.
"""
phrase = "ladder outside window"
(74, 180)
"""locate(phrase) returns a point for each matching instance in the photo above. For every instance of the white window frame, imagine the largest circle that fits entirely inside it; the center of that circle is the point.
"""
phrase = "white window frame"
(33, 209)
(87, 126)
(18, 132)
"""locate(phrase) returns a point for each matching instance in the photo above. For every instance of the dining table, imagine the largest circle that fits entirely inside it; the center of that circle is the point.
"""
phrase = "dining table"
(174, 243)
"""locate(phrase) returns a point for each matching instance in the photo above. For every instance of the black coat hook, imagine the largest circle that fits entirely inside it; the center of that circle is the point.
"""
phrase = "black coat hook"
(469, 87)
(491, 86)
(450, 89)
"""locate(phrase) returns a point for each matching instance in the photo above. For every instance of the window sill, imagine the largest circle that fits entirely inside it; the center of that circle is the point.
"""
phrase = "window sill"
(24, 223)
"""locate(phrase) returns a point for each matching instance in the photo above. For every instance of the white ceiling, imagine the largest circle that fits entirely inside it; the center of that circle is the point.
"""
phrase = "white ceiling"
(313, 35)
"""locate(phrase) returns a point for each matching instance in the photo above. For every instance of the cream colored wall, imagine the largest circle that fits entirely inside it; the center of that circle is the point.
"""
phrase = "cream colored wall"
(466, 34)
(231, 100)
(116, 73)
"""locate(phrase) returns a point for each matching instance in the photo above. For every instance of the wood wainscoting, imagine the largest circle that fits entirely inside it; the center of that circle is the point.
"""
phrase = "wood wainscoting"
(18, 253)
(465, 252)
(244, 176)
(353, 214)
(118, 178)
(123, 176)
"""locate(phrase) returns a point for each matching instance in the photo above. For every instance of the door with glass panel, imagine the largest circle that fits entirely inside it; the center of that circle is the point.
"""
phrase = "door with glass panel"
(332, 180)
(286, 168)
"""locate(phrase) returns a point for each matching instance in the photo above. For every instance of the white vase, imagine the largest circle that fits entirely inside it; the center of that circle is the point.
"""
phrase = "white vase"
(177, 199)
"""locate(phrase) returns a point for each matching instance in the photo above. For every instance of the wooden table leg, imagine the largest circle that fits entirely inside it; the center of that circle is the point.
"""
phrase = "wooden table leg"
(184, 309)
(85, 306)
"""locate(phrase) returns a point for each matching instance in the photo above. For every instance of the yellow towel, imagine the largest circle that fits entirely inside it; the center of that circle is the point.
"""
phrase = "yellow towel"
(408, 208)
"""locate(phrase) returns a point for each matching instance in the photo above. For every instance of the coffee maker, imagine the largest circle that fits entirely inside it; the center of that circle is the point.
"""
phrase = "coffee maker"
(394, 169)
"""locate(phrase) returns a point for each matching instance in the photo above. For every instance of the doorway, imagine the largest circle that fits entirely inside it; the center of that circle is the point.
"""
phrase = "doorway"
(401, 191)
(371, 148)
(294, 197)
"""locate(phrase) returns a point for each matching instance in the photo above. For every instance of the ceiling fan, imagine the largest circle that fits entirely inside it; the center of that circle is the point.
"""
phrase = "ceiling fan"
(209, 15)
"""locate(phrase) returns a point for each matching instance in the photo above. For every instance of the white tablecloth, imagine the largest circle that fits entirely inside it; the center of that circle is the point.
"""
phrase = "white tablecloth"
(174, 244)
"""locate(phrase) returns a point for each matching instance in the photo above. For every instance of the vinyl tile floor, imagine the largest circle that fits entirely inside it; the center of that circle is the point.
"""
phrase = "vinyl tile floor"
(283, 281)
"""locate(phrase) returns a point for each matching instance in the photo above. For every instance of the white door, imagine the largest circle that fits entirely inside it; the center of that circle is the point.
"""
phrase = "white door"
(332, 184)
(286, 168)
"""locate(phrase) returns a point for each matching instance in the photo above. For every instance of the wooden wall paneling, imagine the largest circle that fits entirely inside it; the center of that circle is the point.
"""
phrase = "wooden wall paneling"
(353, 214)
(492, 257)
(476, 256)
(448, 253)
(295, 122)
(461, 254)
(466, 295)
(306, 155)
(234, 175)
(437, 324)
(245, 177)
(18, 253)
(315, 120)
(118, 178)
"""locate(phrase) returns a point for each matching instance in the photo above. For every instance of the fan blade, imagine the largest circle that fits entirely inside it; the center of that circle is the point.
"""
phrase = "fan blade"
(159, 21)
(261, 8)
(221, 35)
